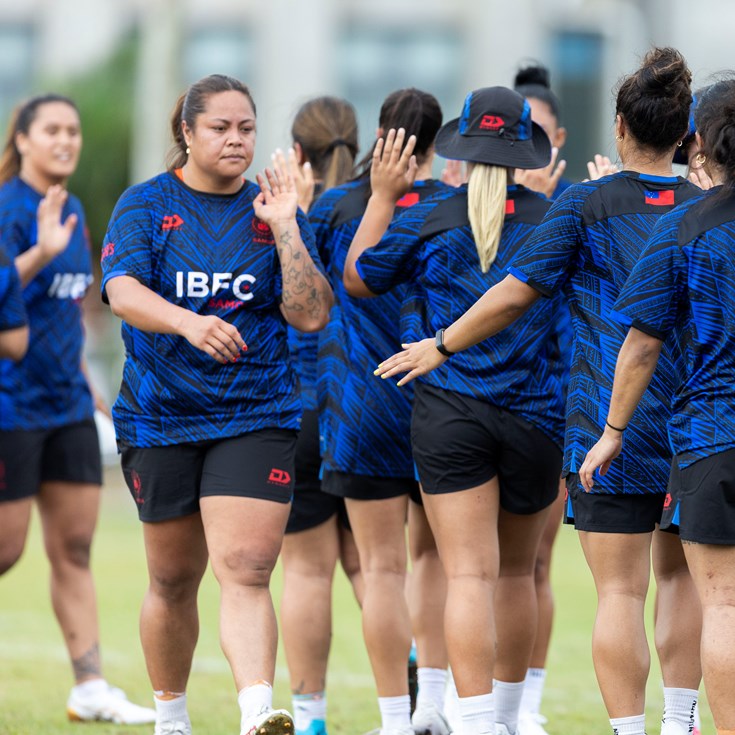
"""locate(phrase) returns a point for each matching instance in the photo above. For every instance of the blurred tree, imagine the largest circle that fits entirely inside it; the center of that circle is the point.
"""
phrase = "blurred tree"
(104, 97)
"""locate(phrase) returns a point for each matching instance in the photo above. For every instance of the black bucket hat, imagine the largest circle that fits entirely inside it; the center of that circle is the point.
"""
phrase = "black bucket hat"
(495, 128)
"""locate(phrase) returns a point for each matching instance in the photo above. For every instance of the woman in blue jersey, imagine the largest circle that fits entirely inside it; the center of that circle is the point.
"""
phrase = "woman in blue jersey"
(324, 132)
(49, 450)
(587, 246)
(683, 287)
(486, 430)
(198, 262)
(366, 449)
(13, 321)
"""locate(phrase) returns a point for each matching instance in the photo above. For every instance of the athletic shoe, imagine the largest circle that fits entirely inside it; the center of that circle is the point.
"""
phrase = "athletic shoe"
(173, 727)
(530, 724)
(428, 720)
(109, 705)
(269, 722)
(502, 729)
(316, 727)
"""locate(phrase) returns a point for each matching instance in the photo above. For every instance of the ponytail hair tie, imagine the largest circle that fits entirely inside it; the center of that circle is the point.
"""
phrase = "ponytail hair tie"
(338, 142)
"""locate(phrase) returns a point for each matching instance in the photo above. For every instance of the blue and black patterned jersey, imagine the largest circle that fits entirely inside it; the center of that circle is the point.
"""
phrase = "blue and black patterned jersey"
(47, 388)
(587, 246)
(684, 286)
(12, 309)
(364, 422)
(210, 254)
(431, 247)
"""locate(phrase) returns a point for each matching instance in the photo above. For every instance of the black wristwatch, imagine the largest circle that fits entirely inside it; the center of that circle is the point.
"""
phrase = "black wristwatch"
(440, 344)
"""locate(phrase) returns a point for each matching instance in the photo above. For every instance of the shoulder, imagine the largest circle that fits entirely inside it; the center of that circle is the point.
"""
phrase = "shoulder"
(341, 204)
(702, 214)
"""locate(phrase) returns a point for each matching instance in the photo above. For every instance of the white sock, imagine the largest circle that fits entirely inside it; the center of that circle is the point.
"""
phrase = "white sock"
(533, 690)
(91, 687)
(253, 699)
(451, 704)
(395, 712)
(171, 710)
(432, 683)
(679, 706)
(629, 725)
(309, 707)
(477, 715)
(507, 703)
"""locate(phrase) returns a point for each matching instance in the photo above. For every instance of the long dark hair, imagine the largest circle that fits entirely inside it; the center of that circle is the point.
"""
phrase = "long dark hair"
(714, 119)
(21, 120)
(193, 103)
(417, 112)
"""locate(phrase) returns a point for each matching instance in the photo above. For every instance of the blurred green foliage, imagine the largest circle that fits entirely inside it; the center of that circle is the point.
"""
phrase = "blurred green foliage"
(104, 96)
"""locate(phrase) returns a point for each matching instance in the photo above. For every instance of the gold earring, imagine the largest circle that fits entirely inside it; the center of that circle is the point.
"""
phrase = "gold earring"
(700, 159)
(619, 138)
(188, 150)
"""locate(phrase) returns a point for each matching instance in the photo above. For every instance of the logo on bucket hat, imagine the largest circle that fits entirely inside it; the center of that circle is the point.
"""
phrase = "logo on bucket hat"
(495, 127)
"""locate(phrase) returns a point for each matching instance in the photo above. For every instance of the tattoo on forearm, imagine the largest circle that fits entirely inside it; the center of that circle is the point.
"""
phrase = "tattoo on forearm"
(88, 664)
(302, 283)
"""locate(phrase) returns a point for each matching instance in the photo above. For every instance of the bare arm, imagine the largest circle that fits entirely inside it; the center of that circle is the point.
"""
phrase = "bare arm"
(637, 360)
(144, 309)
(307, 296)
(392, 174)
(53, 235)
(14, 343)
(498, 307)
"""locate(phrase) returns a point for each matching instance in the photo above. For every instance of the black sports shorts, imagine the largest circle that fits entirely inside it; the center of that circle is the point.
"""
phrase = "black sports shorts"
(311, 506)
(367, 487)
(611, 512)
(701, 500)
(460, 442)
(167, 482)
(69, 453)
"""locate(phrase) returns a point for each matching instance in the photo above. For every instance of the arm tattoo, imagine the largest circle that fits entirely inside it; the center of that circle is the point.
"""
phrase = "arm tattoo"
(302, 287)
(88, 664)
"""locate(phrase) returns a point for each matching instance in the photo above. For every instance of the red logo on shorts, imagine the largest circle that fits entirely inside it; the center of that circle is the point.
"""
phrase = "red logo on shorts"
(137, 487)
(667, 500)
(279, 477)
(262, 232)
(491, 122)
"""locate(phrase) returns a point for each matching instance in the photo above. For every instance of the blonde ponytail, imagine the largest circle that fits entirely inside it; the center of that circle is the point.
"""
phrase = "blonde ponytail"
(486, 195)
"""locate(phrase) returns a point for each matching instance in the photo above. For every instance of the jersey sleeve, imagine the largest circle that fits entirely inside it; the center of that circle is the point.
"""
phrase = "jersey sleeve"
(127, 247)
(547, 257)
(320, 219)
(12, 308)
(395, 258)
(650, 296)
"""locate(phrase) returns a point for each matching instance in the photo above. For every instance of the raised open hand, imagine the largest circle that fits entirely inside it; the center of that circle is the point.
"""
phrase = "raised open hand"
(53, 234)
(393, 169)
(278, 198)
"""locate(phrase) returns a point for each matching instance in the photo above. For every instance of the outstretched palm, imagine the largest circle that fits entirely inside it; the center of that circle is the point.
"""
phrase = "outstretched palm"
(278, 198)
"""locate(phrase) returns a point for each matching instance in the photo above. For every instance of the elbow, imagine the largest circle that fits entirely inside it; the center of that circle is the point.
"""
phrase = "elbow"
(354, 285)
(14, 344)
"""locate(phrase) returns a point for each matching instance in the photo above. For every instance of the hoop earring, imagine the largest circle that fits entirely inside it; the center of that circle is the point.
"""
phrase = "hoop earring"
(679, 144)
(700, 159)
(188, 150)
(619, 138)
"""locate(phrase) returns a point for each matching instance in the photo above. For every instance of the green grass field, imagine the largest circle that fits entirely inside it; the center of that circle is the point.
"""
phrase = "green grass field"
(35, 675)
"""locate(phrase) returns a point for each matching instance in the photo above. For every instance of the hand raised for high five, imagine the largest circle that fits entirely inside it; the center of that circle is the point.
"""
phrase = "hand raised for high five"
(278, 198)
(393, 169)
(600, 166)
(304, 177)
(53, 234)
(542, 180)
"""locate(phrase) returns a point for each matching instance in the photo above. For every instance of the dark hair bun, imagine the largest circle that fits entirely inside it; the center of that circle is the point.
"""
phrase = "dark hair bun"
(664, 71)
(654, 101)
(533, 75)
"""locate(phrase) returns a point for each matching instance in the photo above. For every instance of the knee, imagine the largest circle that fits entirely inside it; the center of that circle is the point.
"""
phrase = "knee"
(9, 555)
(246, 566)
(175, 585)
(73, 550)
